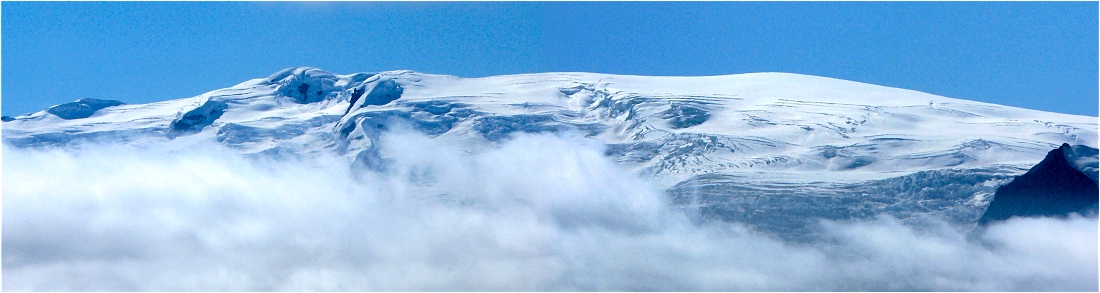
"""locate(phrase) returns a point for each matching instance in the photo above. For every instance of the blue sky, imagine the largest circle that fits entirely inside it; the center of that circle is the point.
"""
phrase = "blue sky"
(1032, 55)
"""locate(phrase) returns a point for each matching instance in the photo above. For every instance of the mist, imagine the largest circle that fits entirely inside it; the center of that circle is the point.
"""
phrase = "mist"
(539, 212)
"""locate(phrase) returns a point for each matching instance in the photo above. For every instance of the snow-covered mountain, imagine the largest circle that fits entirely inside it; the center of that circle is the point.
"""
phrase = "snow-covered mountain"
(775, 150)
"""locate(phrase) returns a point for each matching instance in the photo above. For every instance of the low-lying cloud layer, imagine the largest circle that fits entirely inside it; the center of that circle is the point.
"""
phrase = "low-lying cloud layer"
(537, 213)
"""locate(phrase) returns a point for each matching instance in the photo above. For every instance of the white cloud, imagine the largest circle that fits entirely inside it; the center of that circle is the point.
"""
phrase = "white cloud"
(537, 213)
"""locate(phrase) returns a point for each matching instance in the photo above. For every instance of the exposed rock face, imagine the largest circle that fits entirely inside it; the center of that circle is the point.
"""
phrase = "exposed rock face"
(1054, 187)
(82, 108)
(198, 118)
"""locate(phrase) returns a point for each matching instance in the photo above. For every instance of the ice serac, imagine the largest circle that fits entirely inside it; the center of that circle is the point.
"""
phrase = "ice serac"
(381, 91)
(791, 210)
(1064, 182)
(385, 91)
(304, 84)
(1084, 159)
(82, 108)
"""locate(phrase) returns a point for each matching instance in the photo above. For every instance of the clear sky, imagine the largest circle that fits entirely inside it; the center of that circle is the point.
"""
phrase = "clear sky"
(1032, 55)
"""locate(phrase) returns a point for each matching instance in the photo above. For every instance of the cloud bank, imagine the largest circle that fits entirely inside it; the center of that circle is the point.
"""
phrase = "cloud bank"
(536, 213)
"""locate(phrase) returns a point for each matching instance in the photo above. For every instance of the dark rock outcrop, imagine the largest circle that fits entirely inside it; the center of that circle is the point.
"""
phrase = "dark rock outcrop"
(82, 108)
(355, 94)
(1057, 186)
(684, 116)
(198, 118)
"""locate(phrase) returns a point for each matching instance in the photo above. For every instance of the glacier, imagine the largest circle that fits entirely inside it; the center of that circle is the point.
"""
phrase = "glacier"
(748, 139)
(791, 157)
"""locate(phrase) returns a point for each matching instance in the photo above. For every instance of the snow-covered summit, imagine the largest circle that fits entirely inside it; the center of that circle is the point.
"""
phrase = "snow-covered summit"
(772, 127)
(678, 125)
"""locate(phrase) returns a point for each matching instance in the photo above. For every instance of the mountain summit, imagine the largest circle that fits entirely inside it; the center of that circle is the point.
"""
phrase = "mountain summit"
(747, 147)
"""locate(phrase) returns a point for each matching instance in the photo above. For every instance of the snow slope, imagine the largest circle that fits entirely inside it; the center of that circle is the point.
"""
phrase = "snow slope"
(807, 140)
